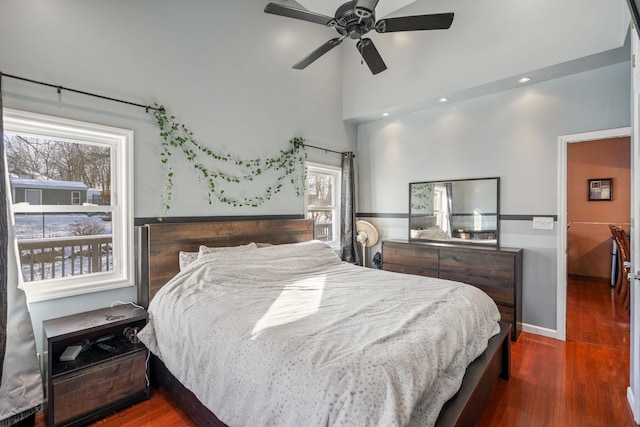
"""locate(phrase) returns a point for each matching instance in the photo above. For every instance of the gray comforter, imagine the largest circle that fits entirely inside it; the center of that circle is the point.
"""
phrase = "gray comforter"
(289, 335)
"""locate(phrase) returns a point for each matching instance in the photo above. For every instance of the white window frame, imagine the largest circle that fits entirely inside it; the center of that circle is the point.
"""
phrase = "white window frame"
(120, 141)
(337, 189)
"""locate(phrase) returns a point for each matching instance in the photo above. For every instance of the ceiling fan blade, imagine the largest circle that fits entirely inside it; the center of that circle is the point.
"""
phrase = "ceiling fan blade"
(291, 12)
(306, 61)
(366, 7)
(371, 56)
(438, 21)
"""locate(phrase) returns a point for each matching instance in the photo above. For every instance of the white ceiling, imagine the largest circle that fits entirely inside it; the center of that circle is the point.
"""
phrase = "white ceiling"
(328, 7)
(489, 46)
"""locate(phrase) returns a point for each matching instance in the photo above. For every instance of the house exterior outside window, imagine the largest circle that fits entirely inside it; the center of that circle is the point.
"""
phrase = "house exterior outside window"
(66, 244)
(31, 196)
(322, 202)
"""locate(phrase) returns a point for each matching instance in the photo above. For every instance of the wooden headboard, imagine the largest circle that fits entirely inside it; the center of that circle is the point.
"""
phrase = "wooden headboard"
(158, 245)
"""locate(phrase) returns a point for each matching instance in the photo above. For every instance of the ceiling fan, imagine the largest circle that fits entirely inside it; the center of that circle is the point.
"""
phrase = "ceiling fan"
(354, 19)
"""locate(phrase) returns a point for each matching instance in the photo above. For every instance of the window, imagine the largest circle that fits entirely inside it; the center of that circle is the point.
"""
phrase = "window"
(33, 197)
(322, 201)
(440, 208)
(71, 184)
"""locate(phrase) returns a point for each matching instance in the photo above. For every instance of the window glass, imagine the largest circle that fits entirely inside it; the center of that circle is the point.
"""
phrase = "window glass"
(322, 200)
(64, 244)
(31, 196)
(72, 237)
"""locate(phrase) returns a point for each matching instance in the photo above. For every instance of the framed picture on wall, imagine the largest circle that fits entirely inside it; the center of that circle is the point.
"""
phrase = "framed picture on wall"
(600, 189)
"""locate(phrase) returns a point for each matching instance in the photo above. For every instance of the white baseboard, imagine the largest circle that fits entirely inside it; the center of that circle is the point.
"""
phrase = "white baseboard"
(631, 400)
(532, 329)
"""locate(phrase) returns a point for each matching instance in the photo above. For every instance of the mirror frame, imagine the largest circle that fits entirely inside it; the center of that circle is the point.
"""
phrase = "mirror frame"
(477, 242)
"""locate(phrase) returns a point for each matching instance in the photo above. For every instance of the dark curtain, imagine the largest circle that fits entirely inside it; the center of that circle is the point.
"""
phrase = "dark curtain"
(4, 245)
(349, 248)
(21, 393)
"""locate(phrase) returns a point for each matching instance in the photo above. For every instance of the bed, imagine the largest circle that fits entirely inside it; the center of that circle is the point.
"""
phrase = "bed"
(309, 372)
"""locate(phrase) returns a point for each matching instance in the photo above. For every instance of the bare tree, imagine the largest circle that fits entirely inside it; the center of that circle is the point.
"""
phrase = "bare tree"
(30, 157)
(60, 160)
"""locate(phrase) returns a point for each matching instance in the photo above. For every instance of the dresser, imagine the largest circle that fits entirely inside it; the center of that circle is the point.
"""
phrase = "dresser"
(497, 271)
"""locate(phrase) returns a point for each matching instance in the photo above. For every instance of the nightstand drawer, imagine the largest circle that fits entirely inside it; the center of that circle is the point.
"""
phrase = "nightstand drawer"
(88, 389)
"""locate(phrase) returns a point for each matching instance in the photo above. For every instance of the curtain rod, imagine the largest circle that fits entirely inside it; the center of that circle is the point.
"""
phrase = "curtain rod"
(61, 88)
(326, 149)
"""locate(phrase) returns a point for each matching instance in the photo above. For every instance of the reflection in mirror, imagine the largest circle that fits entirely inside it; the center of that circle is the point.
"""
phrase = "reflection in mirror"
(456, 211)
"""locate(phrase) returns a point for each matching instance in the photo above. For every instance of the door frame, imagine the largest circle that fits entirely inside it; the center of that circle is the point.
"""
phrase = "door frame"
(563, 143)
(633, 392)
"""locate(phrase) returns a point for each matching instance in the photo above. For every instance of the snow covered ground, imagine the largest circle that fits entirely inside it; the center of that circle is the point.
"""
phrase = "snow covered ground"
(30, 226)
(68, 260)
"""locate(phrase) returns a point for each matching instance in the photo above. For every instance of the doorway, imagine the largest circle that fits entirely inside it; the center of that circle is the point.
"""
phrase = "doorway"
(612, 331)
(563, 223)
(598, 194)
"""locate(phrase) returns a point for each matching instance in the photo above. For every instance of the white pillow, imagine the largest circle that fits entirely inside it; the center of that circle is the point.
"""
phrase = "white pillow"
(187, 258)
(204, 250)
(435, 233)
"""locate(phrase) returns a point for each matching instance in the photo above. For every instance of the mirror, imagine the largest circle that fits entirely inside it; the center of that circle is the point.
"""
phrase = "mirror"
(456, 211)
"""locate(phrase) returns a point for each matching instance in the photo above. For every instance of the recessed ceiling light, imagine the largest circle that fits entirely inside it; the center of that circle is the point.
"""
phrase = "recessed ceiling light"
(443, 99)
(524, 80)
(385, 114)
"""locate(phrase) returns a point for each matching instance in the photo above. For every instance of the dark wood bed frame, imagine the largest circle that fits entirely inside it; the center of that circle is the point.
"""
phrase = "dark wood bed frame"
(158, 246)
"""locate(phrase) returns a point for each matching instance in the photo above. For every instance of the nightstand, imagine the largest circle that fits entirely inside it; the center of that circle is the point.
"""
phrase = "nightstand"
(99, 381)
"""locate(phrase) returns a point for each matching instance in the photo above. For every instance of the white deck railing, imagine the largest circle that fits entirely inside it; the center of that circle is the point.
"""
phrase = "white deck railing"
(323, 222)
(56, 257)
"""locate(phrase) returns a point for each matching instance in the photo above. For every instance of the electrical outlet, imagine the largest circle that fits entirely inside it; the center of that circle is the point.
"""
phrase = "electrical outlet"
(542, 223)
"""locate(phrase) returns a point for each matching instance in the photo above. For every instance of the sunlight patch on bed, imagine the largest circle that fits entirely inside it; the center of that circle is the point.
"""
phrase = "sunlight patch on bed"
(297, 301)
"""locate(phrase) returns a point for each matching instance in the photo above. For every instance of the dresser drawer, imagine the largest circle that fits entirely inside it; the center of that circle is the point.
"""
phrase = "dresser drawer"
(499, 290)
(410, 269)
(496, 271)
(478, 263)
(85, 390)
(412, 255)
(507, 314)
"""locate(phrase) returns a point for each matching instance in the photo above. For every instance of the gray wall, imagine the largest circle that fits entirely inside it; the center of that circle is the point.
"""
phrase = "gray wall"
(511, 134)
(223, 68)
(469, 196)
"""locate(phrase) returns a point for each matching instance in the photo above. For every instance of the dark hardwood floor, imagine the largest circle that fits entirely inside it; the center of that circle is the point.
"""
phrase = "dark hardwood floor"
(580, 382)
